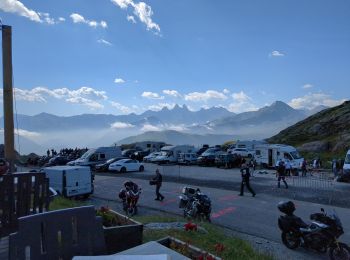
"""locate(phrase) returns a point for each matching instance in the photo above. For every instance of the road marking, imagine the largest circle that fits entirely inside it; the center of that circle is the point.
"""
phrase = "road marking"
(228, 197)
(167, 202)
(223, 212)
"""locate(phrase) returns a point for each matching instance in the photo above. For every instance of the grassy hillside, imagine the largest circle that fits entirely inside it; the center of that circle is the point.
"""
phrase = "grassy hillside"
(325, 132)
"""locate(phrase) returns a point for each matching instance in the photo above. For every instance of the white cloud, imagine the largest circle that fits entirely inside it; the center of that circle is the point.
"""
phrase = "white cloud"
(242, 103)
(307, 86)
(103, 41)
(122, 108)
(77, 18)
(85, 95)
(160, 106)
(241, 97)
(17, 7)
(205, 96)
(24, 133)
(173, 93)
(276, 54)
(313, 100)
(131, 19)
(119, 81)
(121, 125)
(239, 107)
(149, 127)
(226, 91)
(141, 10)
(61, 19)
(151, 95)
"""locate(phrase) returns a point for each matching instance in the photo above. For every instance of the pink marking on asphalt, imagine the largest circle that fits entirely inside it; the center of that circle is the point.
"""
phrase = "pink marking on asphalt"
(223, 212)
(228, 197)
(167, 202)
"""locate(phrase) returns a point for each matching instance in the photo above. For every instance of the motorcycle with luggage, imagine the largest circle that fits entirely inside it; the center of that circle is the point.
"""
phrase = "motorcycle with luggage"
(320, 235)
(195, 204)
(130, 196)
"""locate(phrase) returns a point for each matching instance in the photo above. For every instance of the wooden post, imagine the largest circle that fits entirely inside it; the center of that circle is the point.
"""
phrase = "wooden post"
(10, 155)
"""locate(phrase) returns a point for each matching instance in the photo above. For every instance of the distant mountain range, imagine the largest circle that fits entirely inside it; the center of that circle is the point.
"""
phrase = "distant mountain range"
(325, 131)
(89, 130)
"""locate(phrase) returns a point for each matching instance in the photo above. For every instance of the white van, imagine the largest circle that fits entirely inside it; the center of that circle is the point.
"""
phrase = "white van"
(70, 181)
(346, 167)
(97, 156)
(267, 155)
(170, 154)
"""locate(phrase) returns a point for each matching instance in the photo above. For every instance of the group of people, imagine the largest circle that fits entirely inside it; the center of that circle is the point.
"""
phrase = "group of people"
(282, 170)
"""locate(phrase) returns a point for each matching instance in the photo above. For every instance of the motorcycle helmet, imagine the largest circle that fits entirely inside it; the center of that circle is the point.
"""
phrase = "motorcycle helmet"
(286, 207)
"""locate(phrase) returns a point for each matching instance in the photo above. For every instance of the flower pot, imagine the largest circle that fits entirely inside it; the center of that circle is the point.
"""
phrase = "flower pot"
(127, 234)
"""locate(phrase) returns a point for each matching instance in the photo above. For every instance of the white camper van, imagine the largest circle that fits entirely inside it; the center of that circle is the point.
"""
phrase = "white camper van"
(97, 156)
(267, 155)
(346, 167)
(70, 181)
(170, 154)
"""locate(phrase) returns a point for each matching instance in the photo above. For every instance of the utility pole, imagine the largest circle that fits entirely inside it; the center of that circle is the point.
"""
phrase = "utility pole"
(9, 143)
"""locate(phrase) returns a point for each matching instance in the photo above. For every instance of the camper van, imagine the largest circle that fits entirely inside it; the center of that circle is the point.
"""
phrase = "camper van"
(267, 155)
(70, 181)
(97, 156)
(346, 167)
(170, 154)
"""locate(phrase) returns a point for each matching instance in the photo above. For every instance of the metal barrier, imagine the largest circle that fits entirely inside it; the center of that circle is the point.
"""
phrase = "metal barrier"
(320, 183)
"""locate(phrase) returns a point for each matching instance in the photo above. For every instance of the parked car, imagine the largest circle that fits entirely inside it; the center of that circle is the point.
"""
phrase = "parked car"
(4, 166)
(244, 152)
(227, 160)
(126, 165)
(208, 157)
(187, 158)
(57, 160)
(103, 167)
(203, 149)
(129, 153)
(151, 156)
(140, 154)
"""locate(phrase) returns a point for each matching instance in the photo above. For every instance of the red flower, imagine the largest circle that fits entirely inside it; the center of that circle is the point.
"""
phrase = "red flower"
(219, 247)
(190, 227)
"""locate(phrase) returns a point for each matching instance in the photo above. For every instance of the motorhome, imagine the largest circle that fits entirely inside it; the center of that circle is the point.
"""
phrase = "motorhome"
(97, 156)
(346, 167)
(267, 155)
(248, 144)
(170, 154)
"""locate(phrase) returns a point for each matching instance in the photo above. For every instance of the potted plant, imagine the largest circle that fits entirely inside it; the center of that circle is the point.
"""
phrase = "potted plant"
(120, 231)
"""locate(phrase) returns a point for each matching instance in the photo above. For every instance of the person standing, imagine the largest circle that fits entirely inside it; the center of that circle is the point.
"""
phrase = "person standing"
(288, 166)
(281, 173)
(245, 180)
(303, 168)
(158, 179)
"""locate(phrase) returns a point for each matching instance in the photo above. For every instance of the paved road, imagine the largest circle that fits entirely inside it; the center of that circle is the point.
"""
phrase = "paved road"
(256, 216)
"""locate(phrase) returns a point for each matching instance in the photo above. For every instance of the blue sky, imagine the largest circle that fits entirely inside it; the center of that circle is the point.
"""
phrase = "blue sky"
(122, 56)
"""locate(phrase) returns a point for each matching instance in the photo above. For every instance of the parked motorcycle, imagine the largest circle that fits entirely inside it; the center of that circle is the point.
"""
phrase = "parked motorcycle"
(321, 235)
(195, 204)
(130, 196)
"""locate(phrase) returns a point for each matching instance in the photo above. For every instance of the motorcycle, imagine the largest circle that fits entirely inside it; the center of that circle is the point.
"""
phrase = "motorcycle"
(321, 235)
(130, 197)
(195, 204)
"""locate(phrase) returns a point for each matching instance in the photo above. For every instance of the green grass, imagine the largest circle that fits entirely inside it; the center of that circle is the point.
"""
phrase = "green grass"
(63, 203)
(235, 248)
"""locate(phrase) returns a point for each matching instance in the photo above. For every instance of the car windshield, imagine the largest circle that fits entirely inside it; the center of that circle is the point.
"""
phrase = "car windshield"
(295, 155)
(209, 151)
(111, 160)
(87, 154)
(347, 159)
